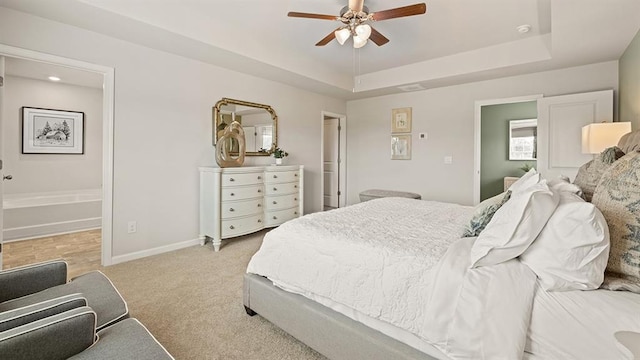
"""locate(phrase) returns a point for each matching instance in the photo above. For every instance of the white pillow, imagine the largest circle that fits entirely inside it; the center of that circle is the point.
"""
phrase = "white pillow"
(525, 181)
(514, 226)
(562, 183)
(572, 250)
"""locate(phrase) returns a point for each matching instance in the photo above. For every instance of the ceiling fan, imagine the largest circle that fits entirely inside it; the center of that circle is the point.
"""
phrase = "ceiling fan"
(356, 17)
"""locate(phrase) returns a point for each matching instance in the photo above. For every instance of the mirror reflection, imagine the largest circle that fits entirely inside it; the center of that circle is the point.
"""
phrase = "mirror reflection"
(258, 121)
(523, 136)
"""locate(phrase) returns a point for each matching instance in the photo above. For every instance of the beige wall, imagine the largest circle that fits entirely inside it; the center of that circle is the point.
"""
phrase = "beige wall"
(447, 116)
(42, 173)
(163, 125)
(630, 84)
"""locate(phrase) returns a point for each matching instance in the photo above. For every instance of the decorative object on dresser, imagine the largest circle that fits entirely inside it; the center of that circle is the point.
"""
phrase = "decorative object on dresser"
(279, 154)
(239, 201)
(231, 148)
(259, 122)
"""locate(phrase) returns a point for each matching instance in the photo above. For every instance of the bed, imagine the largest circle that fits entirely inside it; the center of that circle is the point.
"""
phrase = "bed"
(393, 279)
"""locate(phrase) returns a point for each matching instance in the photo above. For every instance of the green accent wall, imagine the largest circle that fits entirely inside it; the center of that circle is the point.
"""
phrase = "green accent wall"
(494, 145)
(629, 84)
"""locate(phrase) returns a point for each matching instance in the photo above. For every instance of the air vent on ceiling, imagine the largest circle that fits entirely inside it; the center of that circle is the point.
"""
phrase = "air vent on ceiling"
(412, 87)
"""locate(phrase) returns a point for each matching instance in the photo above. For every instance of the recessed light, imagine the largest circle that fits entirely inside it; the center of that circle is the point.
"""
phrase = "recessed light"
(523, 29)
(54, 78)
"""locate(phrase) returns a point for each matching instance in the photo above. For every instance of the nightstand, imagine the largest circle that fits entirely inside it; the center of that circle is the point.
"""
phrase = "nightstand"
(630, 340)
(508, 181)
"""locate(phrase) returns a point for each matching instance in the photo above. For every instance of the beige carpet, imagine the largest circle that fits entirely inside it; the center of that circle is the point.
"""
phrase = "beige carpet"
(191, 300)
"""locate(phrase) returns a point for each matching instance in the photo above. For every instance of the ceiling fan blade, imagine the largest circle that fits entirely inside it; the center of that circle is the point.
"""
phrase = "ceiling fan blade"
(378, 38)
(312, 16)
(356, 5)
(410, 10)
(327, 39)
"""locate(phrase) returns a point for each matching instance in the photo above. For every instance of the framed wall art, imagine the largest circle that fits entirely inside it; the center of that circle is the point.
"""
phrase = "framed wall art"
(48, 131)
(401, 147)
(401, 120)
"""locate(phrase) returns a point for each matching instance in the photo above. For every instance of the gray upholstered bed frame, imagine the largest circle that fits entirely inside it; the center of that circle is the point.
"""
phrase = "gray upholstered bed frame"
(324, 330)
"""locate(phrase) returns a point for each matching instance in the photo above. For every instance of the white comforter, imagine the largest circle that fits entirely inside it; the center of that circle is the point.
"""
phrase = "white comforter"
(373, 257)
(401, 261)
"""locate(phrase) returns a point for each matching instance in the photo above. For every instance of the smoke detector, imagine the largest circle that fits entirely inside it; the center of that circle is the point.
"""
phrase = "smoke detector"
(523, 29)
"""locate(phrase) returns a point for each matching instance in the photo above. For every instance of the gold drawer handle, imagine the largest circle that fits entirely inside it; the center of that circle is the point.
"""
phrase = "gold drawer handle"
(295, 213)
(232, 194)
(295, 186)
(259, 190)
(275, 176)
(259, 220)
(259, 205)
(275, 202)
(275, 218)
(275, 189)
(232, 209)
(231, 227)
(295, 199)
(232, 179)
(295, 174)
(259, 177)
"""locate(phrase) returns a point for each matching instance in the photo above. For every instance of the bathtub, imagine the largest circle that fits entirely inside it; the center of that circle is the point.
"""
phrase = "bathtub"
(28, 216)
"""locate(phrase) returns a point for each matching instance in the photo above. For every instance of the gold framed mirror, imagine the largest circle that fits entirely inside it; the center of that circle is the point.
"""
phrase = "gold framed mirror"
(259, 122)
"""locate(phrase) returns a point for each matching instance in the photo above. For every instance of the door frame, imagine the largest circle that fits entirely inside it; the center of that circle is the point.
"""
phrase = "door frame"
(108, 93)
(477, 124)
(342, 178)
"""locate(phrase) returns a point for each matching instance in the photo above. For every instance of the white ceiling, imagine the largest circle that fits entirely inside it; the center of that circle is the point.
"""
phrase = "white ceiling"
(456, 41)
(42, 71)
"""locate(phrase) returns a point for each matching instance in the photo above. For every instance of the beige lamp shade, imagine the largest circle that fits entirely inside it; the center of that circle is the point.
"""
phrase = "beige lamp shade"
(599, 136)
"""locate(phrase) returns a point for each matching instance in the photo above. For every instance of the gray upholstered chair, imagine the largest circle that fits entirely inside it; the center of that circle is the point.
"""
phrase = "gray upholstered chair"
(44, 317)
(71, 334)
(36, 283)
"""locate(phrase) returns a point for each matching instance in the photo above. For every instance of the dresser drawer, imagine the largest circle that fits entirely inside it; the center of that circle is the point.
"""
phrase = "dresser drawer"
(241, 226)
(241, 179)
(281, 176)
(231, 209)
(274, 218)
(241, 193)
(281, 189)
(281, 202)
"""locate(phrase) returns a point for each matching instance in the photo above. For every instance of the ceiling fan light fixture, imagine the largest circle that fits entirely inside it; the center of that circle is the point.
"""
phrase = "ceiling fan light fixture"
(342, 35)
(359, 41)
(363, 31)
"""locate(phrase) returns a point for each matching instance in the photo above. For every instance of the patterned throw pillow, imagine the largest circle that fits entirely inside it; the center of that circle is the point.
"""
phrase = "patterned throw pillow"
(482, 218)
(590, 173)
(617, 196)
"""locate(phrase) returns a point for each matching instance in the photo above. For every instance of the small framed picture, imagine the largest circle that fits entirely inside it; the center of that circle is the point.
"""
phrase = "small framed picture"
(400, 147)
(401, 120)
(47, 131)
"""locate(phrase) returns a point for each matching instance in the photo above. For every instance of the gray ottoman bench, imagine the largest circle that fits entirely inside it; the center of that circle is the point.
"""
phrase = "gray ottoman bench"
(377, 194)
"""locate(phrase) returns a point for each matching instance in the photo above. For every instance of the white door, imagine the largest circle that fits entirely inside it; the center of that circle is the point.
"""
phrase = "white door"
(331, 166)
(1, 156)
(560, 122)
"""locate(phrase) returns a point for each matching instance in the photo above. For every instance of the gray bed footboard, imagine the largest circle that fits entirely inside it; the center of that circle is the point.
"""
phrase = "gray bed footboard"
(326, 331)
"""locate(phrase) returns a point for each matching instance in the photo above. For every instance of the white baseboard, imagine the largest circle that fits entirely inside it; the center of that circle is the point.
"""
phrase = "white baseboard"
(155, 251)
(51, 229)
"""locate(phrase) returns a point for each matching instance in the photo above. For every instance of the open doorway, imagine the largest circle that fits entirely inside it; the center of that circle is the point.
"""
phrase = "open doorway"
(333, 161)
(56, 205)
(494, 167)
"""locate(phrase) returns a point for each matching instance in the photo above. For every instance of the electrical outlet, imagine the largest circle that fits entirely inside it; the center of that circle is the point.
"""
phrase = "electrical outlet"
(132, 227)
(422, 136)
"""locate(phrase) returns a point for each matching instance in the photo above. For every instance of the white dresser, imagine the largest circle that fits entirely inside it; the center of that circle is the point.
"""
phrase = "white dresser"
(242, 200)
